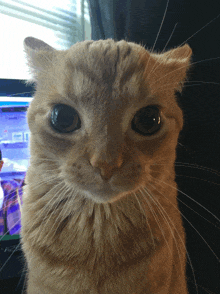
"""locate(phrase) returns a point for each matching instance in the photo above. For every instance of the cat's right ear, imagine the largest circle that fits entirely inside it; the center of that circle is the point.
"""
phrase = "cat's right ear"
(39, 55)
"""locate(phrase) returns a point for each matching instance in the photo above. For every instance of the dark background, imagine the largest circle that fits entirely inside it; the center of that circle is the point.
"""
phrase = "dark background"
(139, 21)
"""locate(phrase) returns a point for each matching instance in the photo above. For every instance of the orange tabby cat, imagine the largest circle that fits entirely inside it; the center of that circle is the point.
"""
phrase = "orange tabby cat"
(104, 125)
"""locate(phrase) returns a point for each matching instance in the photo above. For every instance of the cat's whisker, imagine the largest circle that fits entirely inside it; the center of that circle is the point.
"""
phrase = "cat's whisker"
(192, 200)
(68, 189)
(165, 12)
(200, 30)
(153, 69)
(12, 95)
(190, 262)
(169, 39)
(203, 82)
(197, 179)
(159, 206)
(50, 203)
(167, 86)
(157, 61)
(186, 86)
(41, 211)
(21, 213)
(185, 66)
(146, 220)
(198, 213)
(9, 257)
(156, 218)
(192, 165)
(187, 219)
(46, 213)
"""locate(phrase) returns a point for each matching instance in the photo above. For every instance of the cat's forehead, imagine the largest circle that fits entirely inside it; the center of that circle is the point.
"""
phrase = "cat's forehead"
(104, 72)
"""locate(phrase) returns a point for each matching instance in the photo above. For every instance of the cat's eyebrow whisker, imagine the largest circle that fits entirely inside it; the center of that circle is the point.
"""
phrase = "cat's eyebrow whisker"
(184, 41)
(187, 219)
(190, 262)
(167, 86)
(203, 82)
(169, 38)
(184, 67)
(158, 63)
(157, 220)
(160, 207)
(165, 12)
(200, 30)
(146, 219)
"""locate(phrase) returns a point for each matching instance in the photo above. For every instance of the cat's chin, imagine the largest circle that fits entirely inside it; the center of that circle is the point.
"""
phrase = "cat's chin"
(109, 196)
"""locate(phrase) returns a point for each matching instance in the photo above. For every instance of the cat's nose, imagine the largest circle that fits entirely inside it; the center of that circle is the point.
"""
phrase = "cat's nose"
(107, 169)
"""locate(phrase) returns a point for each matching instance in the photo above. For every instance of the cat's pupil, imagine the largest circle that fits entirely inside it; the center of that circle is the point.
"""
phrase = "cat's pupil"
(64, 119)
(147, 121)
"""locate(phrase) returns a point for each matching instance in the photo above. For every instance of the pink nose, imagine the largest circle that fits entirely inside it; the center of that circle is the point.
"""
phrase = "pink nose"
(106, 169)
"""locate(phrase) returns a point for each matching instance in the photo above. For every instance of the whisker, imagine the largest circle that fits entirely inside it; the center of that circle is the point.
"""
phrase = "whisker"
(153, 69)
(158, 63)
(43, 211)
(214, 58)
(21, 212)
(11, 95)
(198, 213)
(197, 179)
(200, 30)
(187, 219)
(190, 262)
(146, 219)
(165, 12)
(158, 33)
(156, 218)
(9, 257)
(169, 38)
(192, 165)
(159, 206)
(68, 189)
(191, 199)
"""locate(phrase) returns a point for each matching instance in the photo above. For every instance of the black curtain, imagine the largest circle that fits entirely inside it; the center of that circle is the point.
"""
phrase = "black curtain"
(139, 21)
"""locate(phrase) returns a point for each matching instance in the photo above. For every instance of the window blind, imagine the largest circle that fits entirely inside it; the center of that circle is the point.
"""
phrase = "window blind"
(60, 23)
(67, 22)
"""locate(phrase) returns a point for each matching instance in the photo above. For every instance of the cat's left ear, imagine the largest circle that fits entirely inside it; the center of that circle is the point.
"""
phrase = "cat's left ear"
(173, 68)
(39, 55)
(179, 61)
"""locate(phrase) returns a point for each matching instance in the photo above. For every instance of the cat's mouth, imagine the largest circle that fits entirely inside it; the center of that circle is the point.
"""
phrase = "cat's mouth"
(108, 193)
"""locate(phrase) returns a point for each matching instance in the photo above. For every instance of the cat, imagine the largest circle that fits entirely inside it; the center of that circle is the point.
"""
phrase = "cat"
(104, 126)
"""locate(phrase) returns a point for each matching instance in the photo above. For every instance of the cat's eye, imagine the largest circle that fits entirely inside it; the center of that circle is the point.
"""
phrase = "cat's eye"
(64, 119)
(147, 121)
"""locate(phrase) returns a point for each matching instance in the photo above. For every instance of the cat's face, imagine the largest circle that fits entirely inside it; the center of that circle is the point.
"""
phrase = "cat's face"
(104, 116)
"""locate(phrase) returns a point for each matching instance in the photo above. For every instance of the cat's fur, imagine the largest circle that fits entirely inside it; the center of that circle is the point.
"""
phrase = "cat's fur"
(79, 234)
